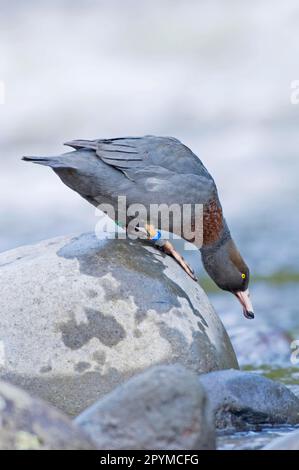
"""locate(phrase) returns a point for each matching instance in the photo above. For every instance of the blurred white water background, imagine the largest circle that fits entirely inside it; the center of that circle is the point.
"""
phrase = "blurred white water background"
(217, 75)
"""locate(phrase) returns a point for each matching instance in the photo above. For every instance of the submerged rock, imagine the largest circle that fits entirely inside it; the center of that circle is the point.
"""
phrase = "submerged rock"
(162, 408)
(244, 400)
(29, 424)
(80, 315)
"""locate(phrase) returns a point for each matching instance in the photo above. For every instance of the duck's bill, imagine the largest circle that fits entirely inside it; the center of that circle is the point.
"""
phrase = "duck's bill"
(244, 299)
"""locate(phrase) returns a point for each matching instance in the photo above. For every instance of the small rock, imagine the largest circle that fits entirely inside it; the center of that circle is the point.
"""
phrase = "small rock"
(163, 408)
(30, 424)
(288, 442)
(79, 316)
(245, 400)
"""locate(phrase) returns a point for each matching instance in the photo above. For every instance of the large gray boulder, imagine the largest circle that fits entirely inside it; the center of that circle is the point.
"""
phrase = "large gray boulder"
(162, 408)
(288, 442)
(80, 315)
(29, 424)
(244, 400)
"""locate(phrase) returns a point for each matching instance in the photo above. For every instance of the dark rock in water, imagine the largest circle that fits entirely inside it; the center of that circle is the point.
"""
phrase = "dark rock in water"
(288, 442)
(79, 316)
(162, 408)
(244, 400)
(30, 424)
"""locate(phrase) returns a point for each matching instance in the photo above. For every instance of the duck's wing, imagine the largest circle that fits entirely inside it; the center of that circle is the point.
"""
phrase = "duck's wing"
(132, 154)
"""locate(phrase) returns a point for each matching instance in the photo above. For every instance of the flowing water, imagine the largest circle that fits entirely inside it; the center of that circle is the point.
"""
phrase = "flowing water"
(265, 345)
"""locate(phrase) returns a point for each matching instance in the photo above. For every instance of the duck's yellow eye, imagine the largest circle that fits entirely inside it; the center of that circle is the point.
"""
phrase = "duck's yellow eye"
(243, 276)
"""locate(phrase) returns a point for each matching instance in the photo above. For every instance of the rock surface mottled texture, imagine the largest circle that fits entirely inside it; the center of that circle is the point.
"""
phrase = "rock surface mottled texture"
(244, 400)
(288, 442)
(30, 424)
(162, 408)
(80, 315)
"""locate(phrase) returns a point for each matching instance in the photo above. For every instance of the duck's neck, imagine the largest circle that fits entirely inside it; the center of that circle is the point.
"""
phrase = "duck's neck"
(223, 236)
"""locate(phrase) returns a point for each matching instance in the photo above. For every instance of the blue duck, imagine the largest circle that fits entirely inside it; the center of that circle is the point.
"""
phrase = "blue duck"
(157, 170)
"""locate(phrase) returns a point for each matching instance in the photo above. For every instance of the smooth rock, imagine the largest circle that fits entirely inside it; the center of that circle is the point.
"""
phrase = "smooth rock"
(29, 424)
(244, 400)
(80, 315)
(288, 442)
(162, 408)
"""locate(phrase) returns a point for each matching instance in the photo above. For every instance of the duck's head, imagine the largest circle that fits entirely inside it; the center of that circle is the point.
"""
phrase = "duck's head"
(229, 271)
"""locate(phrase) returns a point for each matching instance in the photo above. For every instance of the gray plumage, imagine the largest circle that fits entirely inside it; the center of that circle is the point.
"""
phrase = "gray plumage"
(148, 170)
(153, 170)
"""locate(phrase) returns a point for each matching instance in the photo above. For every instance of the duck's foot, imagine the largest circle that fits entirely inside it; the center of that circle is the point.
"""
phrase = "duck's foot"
(169, 249)
(154, 236)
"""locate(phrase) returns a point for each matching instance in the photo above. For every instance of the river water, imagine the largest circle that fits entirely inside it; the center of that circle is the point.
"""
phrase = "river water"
(265, 345)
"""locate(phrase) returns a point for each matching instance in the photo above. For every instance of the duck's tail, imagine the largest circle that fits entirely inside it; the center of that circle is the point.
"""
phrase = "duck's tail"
(53, 162)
